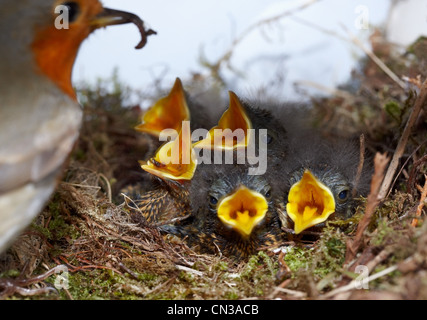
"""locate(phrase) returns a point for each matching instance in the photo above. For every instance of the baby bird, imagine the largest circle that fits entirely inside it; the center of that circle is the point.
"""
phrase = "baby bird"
(321, 180)
(233, 213)
(172, 167)
(167, 115)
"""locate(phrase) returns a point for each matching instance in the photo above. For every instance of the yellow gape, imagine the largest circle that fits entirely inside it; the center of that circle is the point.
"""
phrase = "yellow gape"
(242, 210)
(167, 113)
(175, 160)
(232, 131)
(310, 202)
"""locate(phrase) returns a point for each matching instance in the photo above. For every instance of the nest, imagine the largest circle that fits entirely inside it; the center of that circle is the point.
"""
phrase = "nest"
(86, 235)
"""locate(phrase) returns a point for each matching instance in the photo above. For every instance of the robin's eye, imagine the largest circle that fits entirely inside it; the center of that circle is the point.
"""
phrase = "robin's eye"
(268, 194)
(213, 200)
(343, 195)
(73, 10)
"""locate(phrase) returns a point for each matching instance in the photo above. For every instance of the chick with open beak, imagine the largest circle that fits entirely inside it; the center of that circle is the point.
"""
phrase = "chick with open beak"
(322, 182)
(242, 210)
(233, 213)
(310, 202)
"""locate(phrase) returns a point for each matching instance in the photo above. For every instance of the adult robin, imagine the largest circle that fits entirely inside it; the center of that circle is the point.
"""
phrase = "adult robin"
(40, 116)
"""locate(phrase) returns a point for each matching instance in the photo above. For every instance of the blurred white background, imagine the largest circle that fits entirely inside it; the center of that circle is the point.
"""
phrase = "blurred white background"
(307, 45)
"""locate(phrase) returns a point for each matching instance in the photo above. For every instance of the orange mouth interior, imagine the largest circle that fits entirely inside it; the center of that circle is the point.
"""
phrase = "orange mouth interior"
(310, 202)
(242, 210)
(232, 130)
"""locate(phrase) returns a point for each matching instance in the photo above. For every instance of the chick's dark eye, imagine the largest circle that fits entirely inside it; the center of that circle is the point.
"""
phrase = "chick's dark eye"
(343, 195)
(268, 194)
(73, 10)
(267, 138)
(213, 200)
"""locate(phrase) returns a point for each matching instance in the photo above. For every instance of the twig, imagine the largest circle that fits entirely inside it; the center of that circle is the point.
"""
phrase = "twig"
(127, 270)
(294, 293)
(380, 163)
(160, 286)
(331, 91)
(421, 204)
(226, 57)
(400, 149)
(108, 186)
(359, 44)
(376, 60)
(355, 283)
(80, 185)
(189, 270)
(11, 286)
(413, 172)
(361, 163)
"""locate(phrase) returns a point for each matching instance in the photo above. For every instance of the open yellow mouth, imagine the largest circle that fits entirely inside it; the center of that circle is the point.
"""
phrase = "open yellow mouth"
(167, 113)
(242, 210)
(310, 202)
(232, 130)
(175, 160)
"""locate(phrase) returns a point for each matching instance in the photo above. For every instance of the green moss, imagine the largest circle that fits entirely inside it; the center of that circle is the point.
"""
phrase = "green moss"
(231, 295)
(258, 265)
(221, 266)
(298, 258)
(95, 285)
(58, 226)
(383, 232)
(394, 109)
(12, 273)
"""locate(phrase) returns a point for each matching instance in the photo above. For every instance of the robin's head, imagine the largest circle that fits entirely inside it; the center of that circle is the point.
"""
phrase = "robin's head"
(49, 33)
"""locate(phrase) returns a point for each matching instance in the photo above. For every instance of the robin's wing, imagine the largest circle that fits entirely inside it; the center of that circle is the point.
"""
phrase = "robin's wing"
(37, 137)
(19, 207)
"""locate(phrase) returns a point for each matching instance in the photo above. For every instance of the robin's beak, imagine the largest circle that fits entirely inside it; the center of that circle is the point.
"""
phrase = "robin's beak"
(175, 160)
(232, 130)
(242, 210)
(310, 202)
(109, 17)
(167, 113)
